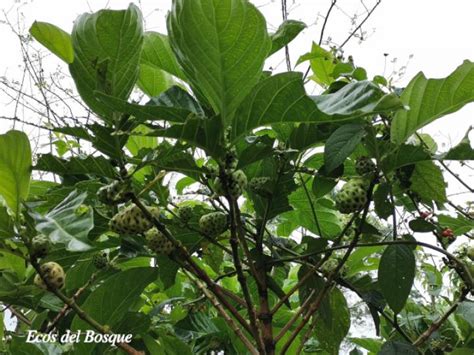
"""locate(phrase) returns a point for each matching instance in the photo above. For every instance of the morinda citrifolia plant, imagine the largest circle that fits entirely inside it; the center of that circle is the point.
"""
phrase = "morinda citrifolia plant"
(233, 212)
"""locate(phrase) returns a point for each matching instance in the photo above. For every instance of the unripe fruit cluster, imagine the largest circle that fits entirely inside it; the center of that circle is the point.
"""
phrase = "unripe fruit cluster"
(54, 273)
(158, 242)
(257, 184)
(352, 197)
(185, 213)
(116, 192)
(100, 260)
(39, 246)
(213, 224)
(132, 220)
(364, 166)
(236, 183)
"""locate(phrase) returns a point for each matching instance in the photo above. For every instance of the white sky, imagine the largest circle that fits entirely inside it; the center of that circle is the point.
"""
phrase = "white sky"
(439, 35)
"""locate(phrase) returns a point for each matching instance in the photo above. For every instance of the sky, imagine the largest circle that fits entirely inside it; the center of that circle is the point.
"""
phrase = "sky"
(401, 36)
(432, 36)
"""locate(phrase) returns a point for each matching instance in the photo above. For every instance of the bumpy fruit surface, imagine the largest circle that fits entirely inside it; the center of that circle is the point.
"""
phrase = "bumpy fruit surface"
(185, 213)
(237, 182)
(157, 242)
(40, 246)
(364, 166)
(231, 161)
(100, 260)
(54, 273)
(257, 184)
(352, 197)
(116, 192)
(214, 223)
(131, 220)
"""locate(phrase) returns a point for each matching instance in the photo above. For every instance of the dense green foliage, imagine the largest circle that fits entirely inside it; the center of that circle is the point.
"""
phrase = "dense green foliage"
(233, 211)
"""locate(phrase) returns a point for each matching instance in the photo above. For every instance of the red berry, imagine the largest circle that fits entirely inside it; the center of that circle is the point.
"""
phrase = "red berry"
(447, 233)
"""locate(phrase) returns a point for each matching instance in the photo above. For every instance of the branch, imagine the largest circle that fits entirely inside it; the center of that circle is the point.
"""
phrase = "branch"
(333, 3)
(20, 316)
(224, 314)
(66, 307)
(360, 25)
(315, 306)
(436, 325)
(71, 303)
(234, 242)
(193, 267)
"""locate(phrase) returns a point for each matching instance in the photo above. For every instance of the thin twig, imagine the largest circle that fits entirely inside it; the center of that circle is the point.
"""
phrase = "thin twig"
(360, 25)
(436, 325)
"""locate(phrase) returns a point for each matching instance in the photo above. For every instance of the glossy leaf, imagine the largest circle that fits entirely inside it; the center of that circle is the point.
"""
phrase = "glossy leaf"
(107, 48)
(282, 98)
(430, 99)
(382, 204)
(153, 81)
(396, 274)
(341, 144)
(428, 182)
(221, 47)
(15, 168)
(404, 155)
(68, 223)
(55, 39)
(98, 166)
(109, 303)
(203, 132)
(287, 31)
(331, 335)
(421, 226)
(154, 111)
(329, 219)
(322, 185)
(462, 151)
(157, 54)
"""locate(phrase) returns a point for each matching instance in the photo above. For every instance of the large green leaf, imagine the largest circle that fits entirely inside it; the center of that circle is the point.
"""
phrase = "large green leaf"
(15, 168)
(341, 144)
(156, 109)
(53, 38)
(430, 99)
(287, 31)
(428, 182)
(462, 151)
(110, 302)
(404, 155)
(329, 220)
(99, 166)
(153, 81)
(221, 46)
(157, 54)
(68, 223)
(206, 133)
(396, 274)
(331, 335)
(107, 46)
(282, 98)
